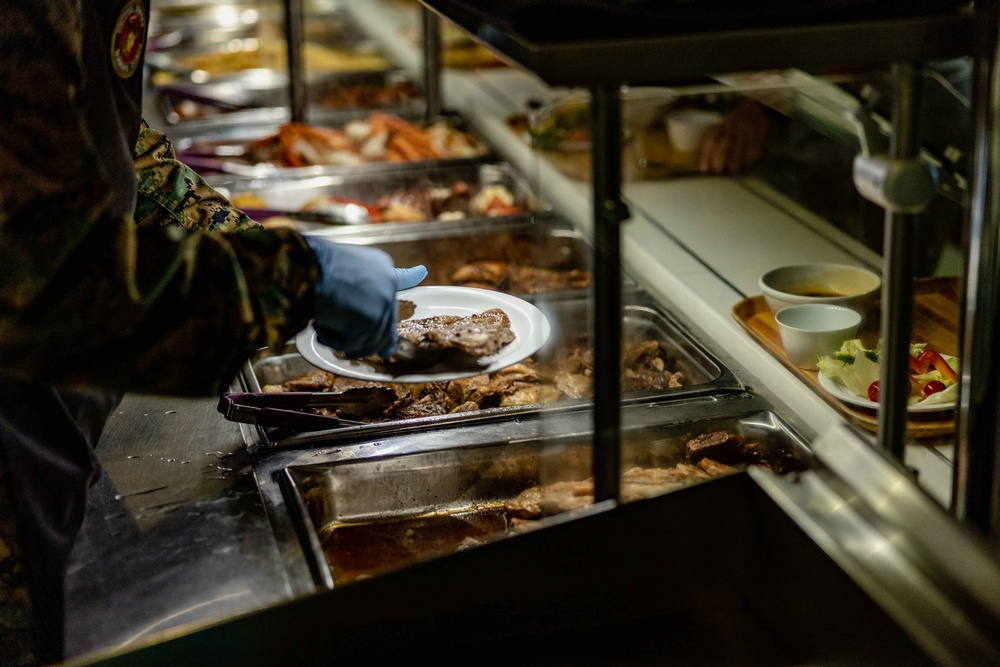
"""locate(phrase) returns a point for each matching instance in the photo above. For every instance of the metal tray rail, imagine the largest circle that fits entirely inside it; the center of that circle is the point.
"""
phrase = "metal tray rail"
(261, 96)
(291, 194)
(215, 151)
(467, 478)
(643, 320)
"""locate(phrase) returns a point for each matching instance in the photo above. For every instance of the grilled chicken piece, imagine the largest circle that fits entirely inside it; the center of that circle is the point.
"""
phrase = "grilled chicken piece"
(543, 500)
(315, 380)
(717, 445)
(518, 278)
(716, 469)
(639, 483)
(575, 385)
(529, 395)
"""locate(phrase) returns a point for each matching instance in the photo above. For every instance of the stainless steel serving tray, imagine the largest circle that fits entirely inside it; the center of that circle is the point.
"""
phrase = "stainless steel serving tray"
(542, 241)
(643, 320)
(262, 96)
(196, 25)
(177, 43)
(291, 194)
(472, 478)
(214, 149)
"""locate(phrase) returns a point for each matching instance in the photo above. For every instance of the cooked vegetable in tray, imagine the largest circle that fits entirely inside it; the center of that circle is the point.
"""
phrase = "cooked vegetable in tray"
(368, 516)
(456, 201)
(381, 137)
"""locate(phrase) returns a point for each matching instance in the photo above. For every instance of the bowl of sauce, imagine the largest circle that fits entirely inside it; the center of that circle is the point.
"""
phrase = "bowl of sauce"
(853, 287)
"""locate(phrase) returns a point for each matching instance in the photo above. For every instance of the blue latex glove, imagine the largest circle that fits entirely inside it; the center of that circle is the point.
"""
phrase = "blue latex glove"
(356, 306)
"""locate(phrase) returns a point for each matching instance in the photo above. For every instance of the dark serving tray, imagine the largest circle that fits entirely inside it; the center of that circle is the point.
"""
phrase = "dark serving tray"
(570, 319)
(542, 241)
(262, 96)
(396, 510)
(289, 195)
(217, 151)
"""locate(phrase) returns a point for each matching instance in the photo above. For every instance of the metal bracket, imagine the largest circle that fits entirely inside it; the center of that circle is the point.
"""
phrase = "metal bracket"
(901, 186)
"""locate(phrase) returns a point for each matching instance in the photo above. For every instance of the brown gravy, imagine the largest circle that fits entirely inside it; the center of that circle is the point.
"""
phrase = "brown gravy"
(817, 292)
(356, 550)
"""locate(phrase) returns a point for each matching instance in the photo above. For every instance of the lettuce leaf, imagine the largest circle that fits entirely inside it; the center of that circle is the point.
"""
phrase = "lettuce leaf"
(853, 366)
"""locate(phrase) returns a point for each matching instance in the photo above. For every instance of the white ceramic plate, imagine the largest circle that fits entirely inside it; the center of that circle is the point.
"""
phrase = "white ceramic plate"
(529, 324)
(840, 392)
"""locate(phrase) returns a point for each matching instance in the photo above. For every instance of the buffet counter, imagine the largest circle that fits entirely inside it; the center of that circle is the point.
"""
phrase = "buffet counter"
(671, 243)
(189, 524)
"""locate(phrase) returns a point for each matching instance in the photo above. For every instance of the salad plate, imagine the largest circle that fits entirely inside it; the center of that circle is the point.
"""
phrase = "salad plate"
(840, 392)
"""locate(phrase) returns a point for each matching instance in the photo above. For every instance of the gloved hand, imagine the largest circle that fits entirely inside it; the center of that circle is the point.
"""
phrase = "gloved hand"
(356, 306)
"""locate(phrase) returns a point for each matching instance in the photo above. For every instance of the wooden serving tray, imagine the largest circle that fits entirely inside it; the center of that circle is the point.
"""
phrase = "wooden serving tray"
(935, 322)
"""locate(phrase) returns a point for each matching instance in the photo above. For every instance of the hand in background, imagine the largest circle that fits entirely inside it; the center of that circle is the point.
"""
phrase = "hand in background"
(356, 307)
(739, 141)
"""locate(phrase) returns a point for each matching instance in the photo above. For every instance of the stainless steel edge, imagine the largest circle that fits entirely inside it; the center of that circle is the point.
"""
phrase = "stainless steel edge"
(913, 518)
(886, 572)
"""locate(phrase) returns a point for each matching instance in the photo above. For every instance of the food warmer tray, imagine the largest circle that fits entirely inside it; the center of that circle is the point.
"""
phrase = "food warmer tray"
(262, 96)
(792, 569)
(541, 241)
(176, 44)
(435, 497)
(290, 194)
(643, 320)
(196, 25)
(214, 150)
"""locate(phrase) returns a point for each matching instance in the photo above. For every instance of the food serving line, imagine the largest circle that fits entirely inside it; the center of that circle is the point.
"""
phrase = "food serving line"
(199, 519)
(671, 242)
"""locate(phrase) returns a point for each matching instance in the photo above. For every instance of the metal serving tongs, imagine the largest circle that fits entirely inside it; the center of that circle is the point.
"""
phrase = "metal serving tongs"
(285, 409)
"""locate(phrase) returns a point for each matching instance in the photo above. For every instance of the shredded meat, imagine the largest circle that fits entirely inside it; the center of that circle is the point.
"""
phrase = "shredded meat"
(563, 374)
(638, 483)
(517, 278)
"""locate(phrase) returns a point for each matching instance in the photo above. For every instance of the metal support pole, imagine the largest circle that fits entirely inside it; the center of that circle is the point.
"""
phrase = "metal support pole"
(975, 486)
(296, 67)
(897, 277)
(609, 212)
(431, 31)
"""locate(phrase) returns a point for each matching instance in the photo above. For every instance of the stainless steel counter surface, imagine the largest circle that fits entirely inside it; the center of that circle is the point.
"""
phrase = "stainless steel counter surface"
(175, 530)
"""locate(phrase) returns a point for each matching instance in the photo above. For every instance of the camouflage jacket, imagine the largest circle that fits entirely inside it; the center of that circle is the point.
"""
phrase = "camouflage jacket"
(170, 299)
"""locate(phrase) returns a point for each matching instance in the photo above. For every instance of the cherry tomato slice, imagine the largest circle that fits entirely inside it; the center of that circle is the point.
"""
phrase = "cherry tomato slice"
(933, 387)
(873, 392)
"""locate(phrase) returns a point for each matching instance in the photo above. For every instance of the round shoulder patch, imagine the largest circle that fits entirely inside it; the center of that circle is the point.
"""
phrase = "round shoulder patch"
(128, 38)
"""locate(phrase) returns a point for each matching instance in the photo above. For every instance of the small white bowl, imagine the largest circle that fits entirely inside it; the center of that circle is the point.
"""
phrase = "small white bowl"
(687, 127)
(809, 331)
(853, 287)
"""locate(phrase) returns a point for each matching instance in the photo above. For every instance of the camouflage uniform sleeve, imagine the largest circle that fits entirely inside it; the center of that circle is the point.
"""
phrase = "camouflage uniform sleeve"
(172, 193)
(17, 622)
(89, 298)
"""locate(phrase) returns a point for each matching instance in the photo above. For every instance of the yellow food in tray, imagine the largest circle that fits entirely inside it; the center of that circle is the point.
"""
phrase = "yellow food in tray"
(274, 55)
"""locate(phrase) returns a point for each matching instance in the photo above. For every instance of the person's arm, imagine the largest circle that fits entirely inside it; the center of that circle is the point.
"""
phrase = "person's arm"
(170, 192)
(739, 141)
(86, 297)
